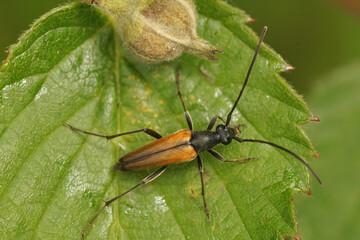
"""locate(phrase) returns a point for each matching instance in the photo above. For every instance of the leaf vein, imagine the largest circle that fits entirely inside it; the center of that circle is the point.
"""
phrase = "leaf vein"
(18, 169)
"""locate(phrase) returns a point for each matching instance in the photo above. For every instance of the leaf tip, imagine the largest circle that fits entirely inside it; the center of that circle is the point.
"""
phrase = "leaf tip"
(285, 67)
(289, 68)
(293, 237)
(315, 119)
(317, 155)
(250, 19)
(6, 61)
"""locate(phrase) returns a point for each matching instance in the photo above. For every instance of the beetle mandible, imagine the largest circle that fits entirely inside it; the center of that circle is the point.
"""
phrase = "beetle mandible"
(185, 145)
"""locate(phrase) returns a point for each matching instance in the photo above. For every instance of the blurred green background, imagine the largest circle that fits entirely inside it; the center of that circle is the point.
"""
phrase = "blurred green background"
(321, 39)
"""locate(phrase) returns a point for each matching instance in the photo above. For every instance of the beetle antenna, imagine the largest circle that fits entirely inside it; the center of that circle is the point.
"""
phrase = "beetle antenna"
(284, 149)
(247, 76)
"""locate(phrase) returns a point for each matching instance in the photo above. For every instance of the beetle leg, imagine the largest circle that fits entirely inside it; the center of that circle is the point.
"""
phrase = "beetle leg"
(150, 132)
(146, 180)
(201, 171)
(186, 113)
(212, 123)
(221, 158)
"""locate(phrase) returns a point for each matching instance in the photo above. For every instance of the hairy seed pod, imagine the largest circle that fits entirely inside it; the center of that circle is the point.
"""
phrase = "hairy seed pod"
(158, 30)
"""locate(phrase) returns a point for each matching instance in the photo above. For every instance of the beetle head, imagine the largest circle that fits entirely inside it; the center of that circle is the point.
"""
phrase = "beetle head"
(227, 133)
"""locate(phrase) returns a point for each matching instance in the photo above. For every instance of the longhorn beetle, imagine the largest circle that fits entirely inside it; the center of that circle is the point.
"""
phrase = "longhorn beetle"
(184, 145)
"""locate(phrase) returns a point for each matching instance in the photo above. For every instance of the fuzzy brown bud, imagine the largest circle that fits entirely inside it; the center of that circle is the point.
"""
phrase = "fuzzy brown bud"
(158, 30)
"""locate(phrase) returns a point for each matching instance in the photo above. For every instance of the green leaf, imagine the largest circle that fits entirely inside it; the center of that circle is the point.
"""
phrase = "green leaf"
(69, 67)
(334, 210)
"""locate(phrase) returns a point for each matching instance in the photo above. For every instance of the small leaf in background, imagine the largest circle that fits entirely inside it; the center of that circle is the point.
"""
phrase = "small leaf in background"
(69, 67)
(308, 32)
(334, 210)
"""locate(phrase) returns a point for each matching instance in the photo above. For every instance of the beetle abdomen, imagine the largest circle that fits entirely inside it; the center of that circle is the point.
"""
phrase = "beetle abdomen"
(171, 149)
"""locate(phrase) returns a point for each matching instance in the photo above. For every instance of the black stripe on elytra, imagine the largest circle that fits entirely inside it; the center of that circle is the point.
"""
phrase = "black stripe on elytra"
(154, 153)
